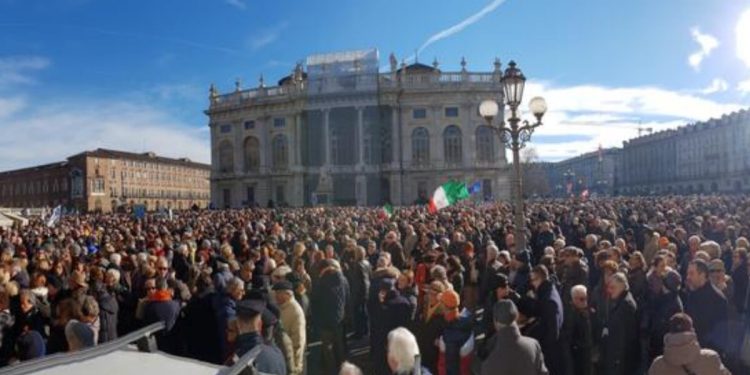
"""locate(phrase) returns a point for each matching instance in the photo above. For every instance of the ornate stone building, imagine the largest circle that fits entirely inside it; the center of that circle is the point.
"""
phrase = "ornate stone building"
(338, 131)
(102, 180)
(706, 157)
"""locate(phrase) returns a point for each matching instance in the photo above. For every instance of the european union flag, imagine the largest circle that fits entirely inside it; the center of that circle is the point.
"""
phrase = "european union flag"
(475, 187)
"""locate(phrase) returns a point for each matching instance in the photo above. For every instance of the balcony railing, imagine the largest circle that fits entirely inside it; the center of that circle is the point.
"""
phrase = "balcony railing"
(362, 82)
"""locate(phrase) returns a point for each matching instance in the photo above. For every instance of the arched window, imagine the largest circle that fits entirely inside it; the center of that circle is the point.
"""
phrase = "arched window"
(252, 154)
(420, 146)
(485, 144)
(226, 157)
(280, 151)
(453, 152)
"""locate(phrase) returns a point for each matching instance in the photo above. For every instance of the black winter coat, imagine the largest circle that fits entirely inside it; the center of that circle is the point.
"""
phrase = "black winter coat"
(549, 308)
(710, 312)
(108, 309)
(620, 342)
(328, 299)
(392, 313)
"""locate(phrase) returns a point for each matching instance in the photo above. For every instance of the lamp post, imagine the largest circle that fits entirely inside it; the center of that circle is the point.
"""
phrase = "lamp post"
(514, 135)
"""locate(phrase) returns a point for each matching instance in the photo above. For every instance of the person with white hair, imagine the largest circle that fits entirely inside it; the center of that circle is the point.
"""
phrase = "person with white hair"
(577, 336)
(403, 353)
(349, 368)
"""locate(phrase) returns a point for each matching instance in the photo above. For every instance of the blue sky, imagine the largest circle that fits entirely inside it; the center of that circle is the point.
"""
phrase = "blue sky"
(80, 74)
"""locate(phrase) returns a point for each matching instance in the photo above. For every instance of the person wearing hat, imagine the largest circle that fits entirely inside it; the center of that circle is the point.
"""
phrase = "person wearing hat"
(249, 323)
(510, 352)
(456, 333)
(683, 354)
(389, 311)
(293, 320)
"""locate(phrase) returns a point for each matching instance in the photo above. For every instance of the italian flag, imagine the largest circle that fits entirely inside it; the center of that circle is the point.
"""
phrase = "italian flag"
(387, 211)
(447, 195)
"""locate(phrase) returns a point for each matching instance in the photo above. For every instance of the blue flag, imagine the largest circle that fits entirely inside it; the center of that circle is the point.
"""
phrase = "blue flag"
(475, 187)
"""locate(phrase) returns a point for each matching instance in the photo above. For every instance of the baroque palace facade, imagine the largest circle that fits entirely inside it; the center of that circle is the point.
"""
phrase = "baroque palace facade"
(103, 180)
(338, 131)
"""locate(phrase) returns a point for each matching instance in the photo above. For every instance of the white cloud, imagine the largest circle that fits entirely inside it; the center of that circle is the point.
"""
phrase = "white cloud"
(589, 115)
(744, 87)
(239, 4)
(52, 131)
(461, 25)
(267, 36)
(717, 85)
(9, 106)
(707, 44)
(16, 69)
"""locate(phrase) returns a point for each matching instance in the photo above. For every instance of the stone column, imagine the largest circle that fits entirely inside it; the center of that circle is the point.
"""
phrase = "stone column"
(469, 138)
(436, 137)
(361, 138)
(239, 154)
(295, 144)
(361, 189)
(327, 137)
(394, 137)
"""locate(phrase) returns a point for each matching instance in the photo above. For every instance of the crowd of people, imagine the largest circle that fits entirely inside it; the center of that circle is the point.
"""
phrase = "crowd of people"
(612, 286)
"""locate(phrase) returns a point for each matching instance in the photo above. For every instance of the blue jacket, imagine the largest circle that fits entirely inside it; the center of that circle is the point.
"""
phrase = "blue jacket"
(269, 361)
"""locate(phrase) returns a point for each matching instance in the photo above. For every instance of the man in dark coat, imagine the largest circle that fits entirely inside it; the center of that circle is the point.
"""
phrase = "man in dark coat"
(574, 272)
(619, 336)
(393, 247)
(328, 299)
(708, 307)
(510, 352)
(161, 307)
(544, 238)
(359, 274)
(198, 324)
(577, 339)
(550, 312)
(108, 309)
(270, 360)
(391, 311)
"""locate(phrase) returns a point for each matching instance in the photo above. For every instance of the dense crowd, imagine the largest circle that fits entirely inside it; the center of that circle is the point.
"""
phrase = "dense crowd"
(604, 286)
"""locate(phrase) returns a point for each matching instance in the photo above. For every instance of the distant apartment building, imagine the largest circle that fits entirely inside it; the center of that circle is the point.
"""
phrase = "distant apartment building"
(705, 157)
(105, 180)
(337, 130)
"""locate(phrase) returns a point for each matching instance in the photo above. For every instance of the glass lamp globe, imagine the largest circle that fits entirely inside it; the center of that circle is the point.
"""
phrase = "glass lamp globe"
(488, 109)
(538, 106)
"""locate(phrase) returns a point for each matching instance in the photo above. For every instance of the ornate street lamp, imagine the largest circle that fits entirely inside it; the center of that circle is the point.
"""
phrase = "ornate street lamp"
(515, 134)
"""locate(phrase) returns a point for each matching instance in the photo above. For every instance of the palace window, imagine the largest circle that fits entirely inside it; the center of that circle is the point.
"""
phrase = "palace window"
(420, 145)
(451, 112)
(419, 113)
(452, 148)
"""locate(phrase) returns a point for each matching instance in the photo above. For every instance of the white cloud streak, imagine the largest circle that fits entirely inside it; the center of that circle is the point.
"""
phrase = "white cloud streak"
(742, 34)
(461, 25)
(17, 69)
(717, 85)
(239, 4)
(267, 37)
(707, 44)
